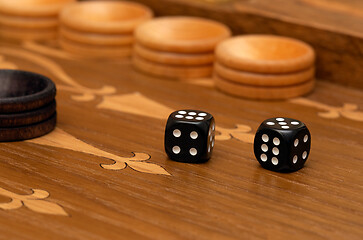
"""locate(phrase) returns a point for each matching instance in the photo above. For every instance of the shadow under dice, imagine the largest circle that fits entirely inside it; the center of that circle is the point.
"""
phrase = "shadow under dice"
(189, 136)
(282, 144)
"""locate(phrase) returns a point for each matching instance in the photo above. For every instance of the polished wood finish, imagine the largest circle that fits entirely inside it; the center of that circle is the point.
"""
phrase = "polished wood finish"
(96, 39)
(183, 59)
(265, 54)
(95, 51)
(263, 92)
(171, 71)
(28, 22)
(21, 91)
(257, 79)
(21, 34)
(182, 34)
(33, 8)
(105, 16)
(30, 19)
(103, 173)
(333, 27)
(20, 133)
(101, 29)
(27, 118)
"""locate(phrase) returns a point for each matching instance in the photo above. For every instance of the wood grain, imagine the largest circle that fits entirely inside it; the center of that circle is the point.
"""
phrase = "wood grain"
(19, 133)
(22, 34)
(171, 71)
(182, 34)
(94, 51)
(24, 91)
(263, 92)
(28, 22)
(27, 118)
(105, 16)
(229, 197)
(334, 28)
(34, 201)
(33, 8)
(265, 54)
(96, 39)
(257, 79)
(173, 58)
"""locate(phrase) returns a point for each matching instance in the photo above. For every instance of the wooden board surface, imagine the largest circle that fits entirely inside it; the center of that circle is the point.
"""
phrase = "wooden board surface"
(333, 27)
(103, 173)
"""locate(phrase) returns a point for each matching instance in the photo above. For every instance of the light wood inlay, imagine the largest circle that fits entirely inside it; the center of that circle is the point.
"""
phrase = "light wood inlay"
(135, 103)
(241, 132)
(60, 139)
(228, 197)
(349, 110)
(34, 202)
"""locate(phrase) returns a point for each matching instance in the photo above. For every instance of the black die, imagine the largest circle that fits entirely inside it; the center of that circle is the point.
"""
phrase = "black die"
(189, 136)
(282, 144)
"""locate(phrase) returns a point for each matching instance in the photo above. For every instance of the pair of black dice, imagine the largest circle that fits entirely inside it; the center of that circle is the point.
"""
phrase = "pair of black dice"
(189, 136)
(281, 144)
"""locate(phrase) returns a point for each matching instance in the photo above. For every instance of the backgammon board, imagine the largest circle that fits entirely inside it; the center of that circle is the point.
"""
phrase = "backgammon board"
(103, 172)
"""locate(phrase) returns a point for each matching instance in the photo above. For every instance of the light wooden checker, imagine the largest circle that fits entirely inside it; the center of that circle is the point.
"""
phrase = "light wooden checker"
(105, 16)
(182, 34)
(33, 8)
(95, 38)
(93, 51)
(257, 79)
(265, 54)
(28, 22)
(103, 173)
(170, 71)
(28, 34)
(173, 58)
(263, 93)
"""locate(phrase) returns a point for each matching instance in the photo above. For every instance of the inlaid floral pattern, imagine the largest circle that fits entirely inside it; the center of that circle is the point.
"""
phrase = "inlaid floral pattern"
(349, 110)
(61, 139)
(241, 133)
(35, 202)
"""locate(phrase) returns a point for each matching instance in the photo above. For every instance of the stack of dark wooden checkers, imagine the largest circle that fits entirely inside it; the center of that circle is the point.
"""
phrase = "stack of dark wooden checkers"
(264, 67)
(101, 29)
(30, 19)
(27, 105)
(178, 47)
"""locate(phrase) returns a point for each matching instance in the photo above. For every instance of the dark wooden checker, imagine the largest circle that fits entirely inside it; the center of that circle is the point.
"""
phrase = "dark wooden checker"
(103, 173)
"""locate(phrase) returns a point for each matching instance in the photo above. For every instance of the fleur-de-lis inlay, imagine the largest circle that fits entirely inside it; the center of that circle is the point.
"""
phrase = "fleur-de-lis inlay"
(83, 93)
(34, 202)
(241, 133)
(135, 103)
(349, 110)
(60, 139)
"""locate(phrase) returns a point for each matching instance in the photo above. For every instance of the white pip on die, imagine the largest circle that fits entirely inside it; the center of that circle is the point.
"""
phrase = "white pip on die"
(282, 144)
(190, 136)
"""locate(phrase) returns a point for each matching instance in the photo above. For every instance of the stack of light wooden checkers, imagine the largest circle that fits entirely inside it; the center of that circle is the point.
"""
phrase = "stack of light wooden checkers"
(264, 67)
(178, 47)
(101, 29)
(30, 19)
